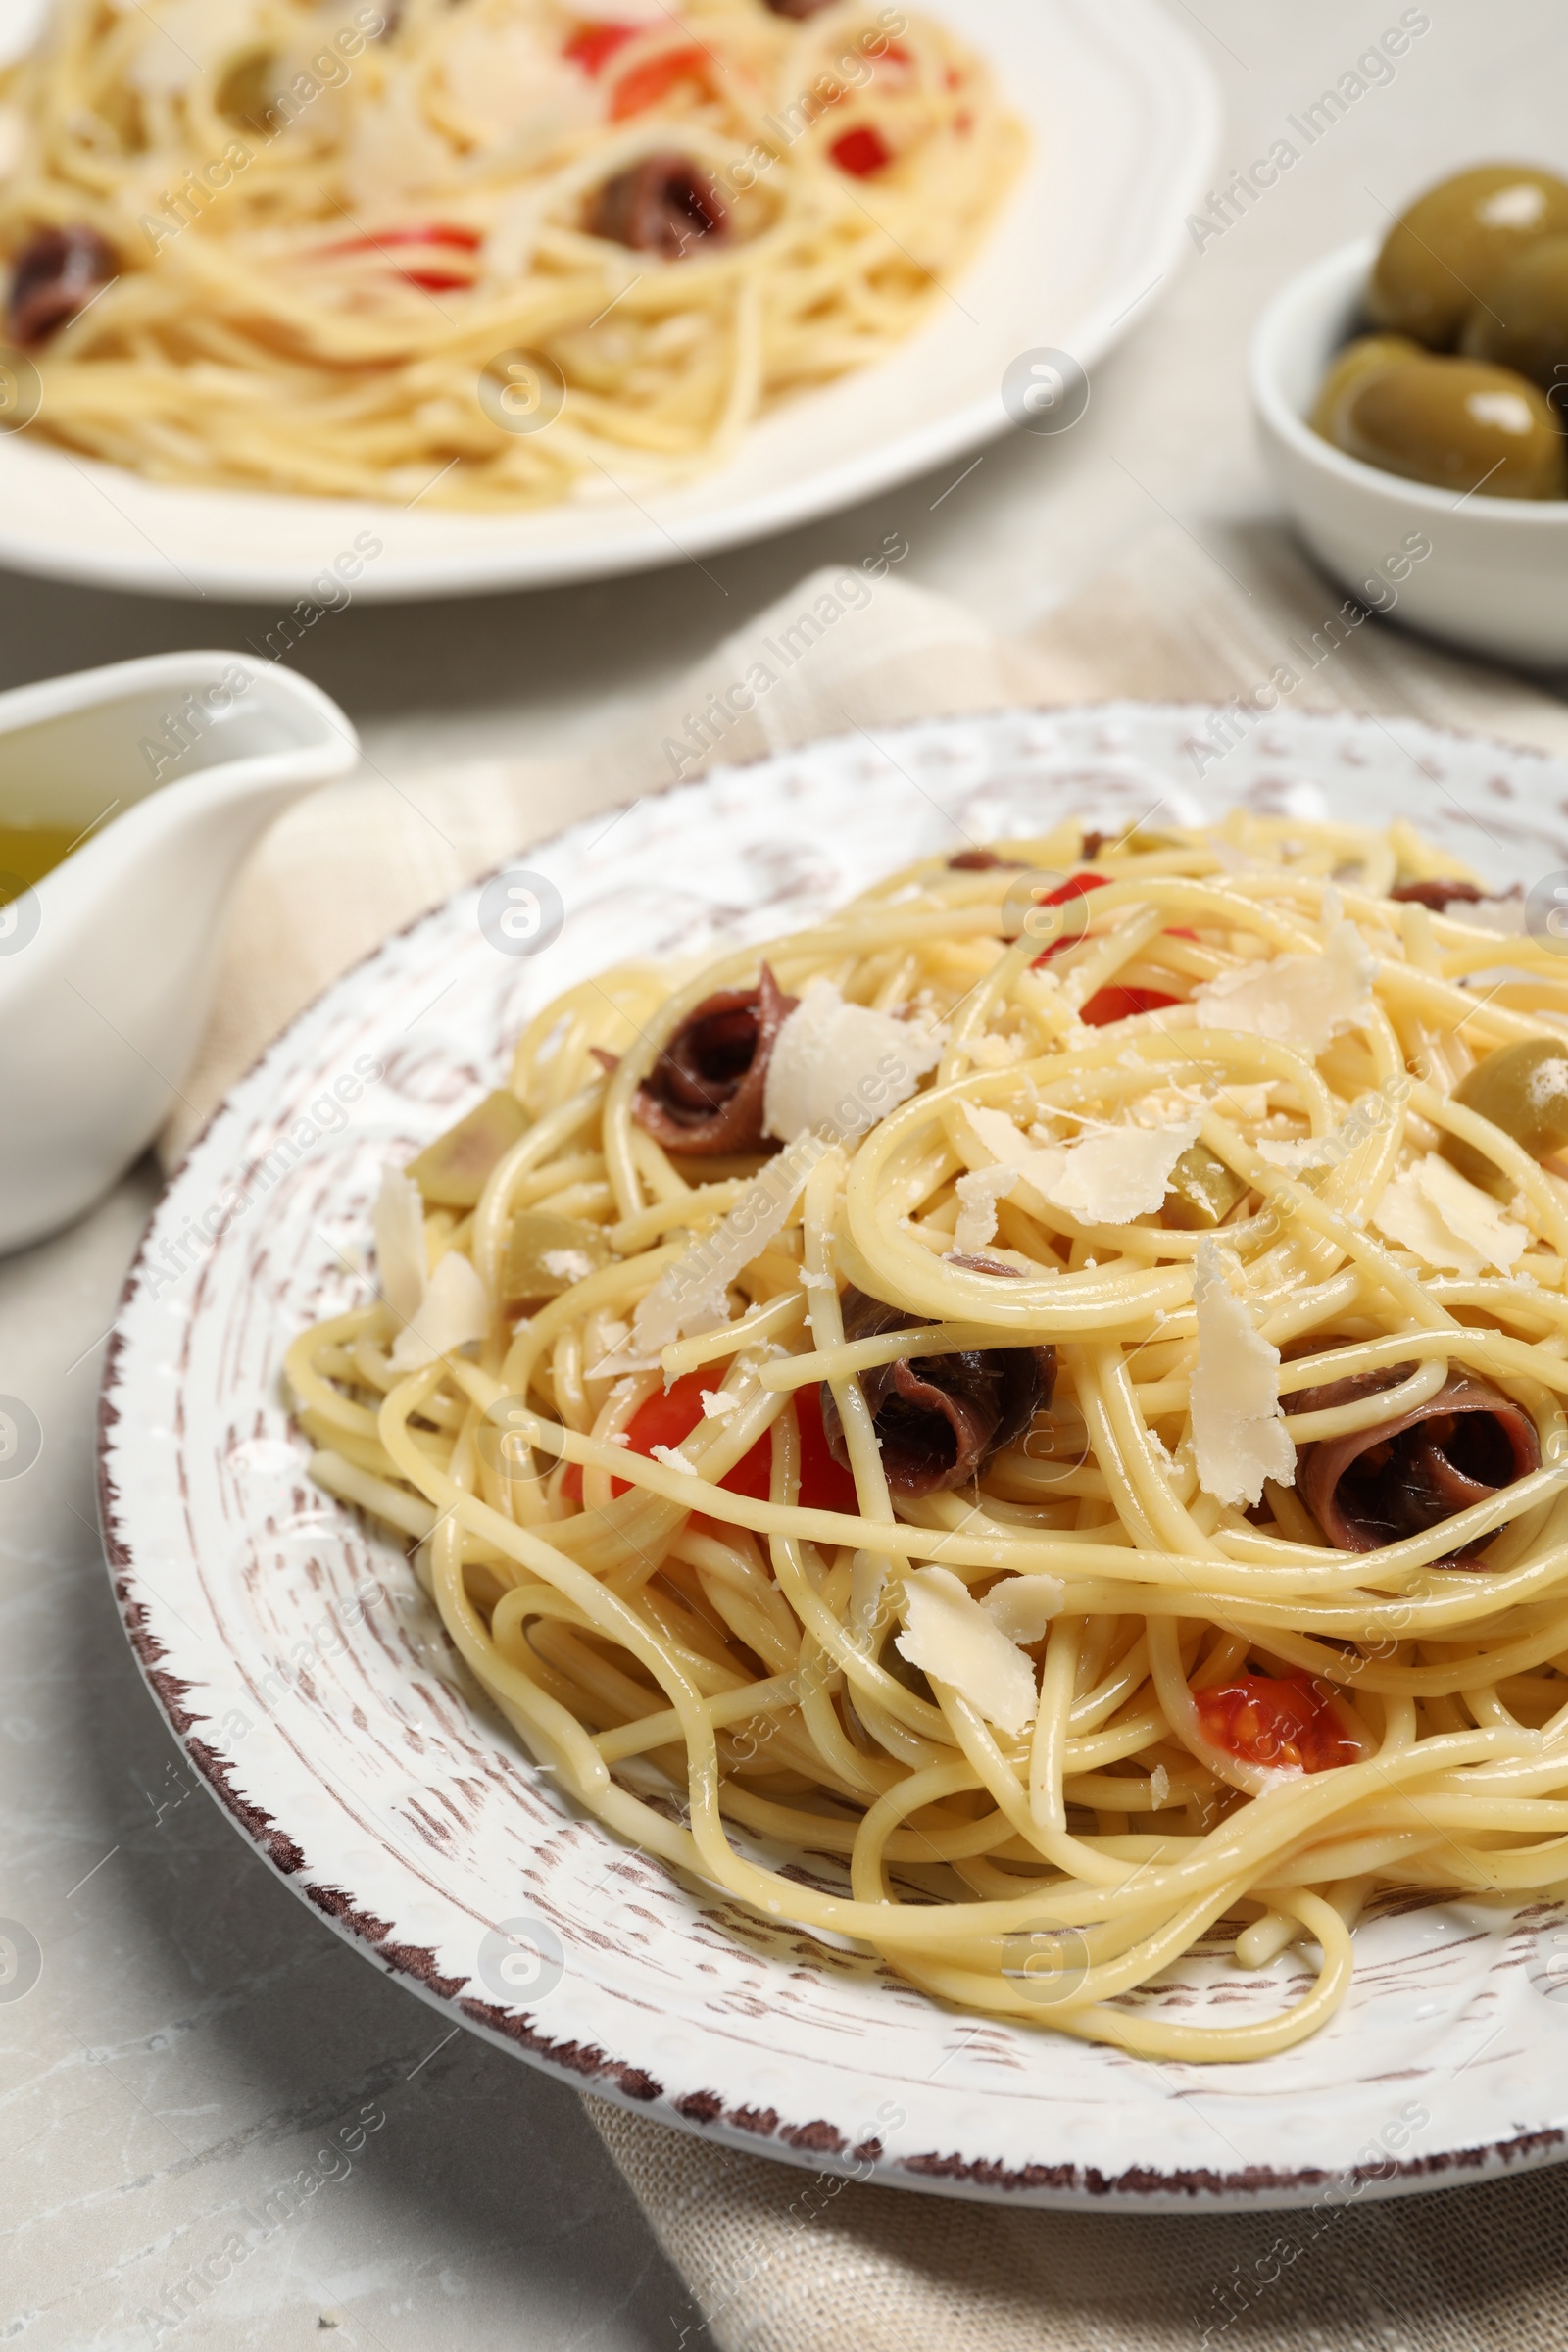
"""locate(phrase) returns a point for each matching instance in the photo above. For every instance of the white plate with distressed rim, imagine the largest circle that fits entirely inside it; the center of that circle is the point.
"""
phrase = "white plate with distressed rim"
(351, 1749)
(1123, 116)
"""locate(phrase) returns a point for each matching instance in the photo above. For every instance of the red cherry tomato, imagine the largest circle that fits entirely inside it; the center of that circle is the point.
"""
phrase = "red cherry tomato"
(430, 232)
(1107, 1004)
(434, 233)
(1118, 1003)
(668, 1419)
(644, 84)
(592, 46)
(1284, 1721)
(1076, 886)
(862, 153)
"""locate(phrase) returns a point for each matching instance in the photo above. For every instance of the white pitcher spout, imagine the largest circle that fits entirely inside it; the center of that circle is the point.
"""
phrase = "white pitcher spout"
(168, 770)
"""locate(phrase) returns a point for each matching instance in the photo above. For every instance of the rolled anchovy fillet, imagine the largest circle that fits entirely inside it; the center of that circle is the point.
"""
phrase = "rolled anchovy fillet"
(1402, 1476)
(667, 204)
(939, 1419)
(704, 1095)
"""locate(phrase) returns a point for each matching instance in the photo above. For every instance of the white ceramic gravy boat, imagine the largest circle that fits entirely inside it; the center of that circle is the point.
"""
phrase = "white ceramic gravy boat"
(169, 767)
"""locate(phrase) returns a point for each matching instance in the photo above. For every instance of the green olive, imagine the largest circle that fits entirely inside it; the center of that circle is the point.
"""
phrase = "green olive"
(545, 1255)
(1522, 1089)
(1522, 323)
(1441, 257)
(1352, 367)
(1458, 423)
(250, 87)
(451, 1172)
(1202, 1191)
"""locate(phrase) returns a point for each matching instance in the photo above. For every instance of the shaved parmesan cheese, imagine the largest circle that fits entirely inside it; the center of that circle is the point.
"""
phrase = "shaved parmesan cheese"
(1446, 1221)
(978, 1195)
(513, 85)
(439, 1312)
(567, 1265)
(1113, 1174)
(673, 1460)
(1159, 1788)
(691, 1296)
(401, 1263)
(996, 1053)
(999, 1134)
(1105, 1177)
(948, 1634)
(717, 1404)
(1247, 1105)
(1239, 1433)
(453, 1312)
(1296, 1156)
(1022, 1606)
(840, 1067)
(1303, 1001)
(181, 39)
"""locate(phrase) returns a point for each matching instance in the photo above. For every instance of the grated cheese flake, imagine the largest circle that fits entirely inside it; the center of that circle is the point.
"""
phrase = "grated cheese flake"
(1111, 1174)
(453, 1312)
(716, 1403)
(692, 1293)
(1022, 1606)
(1105, 1177)
(673, 1460)
(840, 1067)
(1239, 1433)
(978, 1195)
(567, 1265)
(401, 1263)
(948, 1634)
(1446, 1221)
(1303, 1001)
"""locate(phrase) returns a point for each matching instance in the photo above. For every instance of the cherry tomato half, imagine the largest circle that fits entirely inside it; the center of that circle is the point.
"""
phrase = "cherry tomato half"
(592, 46)
(646, 84)
(667, 1419)
(862, 153)
(1076, 886)
(1119, 1004)
(1284, 1721)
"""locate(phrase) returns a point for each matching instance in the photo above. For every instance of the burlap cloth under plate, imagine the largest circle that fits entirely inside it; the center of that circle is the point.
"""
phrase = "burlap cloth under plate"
(780, 2260)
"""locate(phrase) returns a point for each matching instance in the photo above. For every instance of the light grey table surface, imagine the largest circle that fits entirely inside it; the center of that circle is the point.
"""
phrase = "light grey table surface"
(195, 2032)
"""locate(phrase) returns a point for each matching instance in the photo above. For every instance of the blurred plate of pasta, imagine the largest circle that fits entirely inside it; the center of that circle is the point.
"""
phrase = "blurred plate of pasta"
(443, 301)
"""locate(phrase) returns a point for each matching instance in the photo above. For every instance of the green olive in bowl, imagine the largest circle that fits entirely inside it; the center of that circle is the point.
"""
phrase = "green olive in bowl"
(1522, 1089)
(1459, 424)
(1355, 367)
(1522, 323)
(1441, 256)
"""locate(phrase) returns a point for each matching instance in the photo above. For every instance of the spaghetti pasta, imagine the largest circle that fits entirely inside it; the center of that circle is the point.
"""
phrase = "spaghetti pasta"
(914, 1515)
(492, 254)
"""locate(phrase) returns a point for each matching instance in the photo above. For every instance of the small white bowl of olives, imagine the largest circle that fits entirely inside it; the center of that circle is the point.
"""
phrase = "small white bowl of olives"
(1412, 397)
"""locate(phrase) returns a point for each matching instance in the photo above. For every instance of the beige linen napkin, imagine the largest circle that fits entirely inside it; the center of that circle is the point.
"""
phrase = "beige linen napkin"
(778, 2259)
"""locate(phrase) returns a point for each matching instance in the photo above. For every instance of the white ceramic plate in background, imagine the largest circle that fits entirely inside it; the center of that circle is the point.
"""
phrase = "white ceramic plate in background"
(1122, 115)
(314, 1686)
